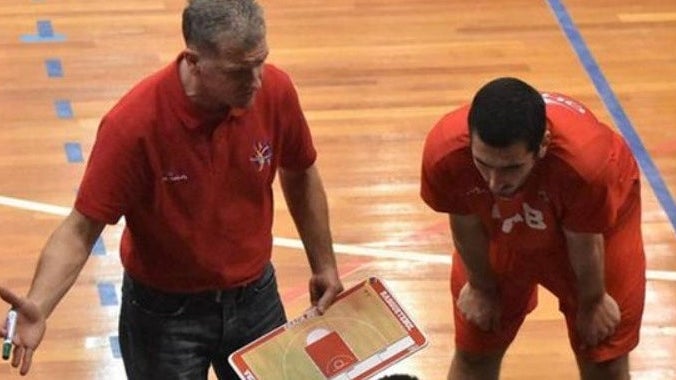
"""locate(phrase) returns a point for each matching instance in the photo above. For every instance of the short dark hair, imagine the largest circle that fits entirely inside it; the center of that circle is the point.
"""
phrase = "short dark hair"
(506, 111)
(399, 377)
(209, 23)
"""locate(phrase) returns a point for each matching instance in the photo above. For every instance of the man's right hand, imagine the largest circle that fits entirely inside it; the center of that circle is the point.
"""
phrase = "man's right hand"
(30, 329)
(480, 307)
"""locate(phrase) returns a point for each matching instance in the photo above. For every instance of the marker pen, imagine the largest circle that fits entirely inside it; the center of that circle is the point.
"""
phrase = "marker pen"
(11, 327)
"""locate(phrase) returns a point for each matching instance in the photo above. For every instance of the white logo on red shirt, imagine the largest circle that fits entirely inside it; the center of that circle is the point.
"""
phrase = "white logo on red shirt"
(563, 101)
(534, 219)
(174, 177)
(476, 190)
(262, 155)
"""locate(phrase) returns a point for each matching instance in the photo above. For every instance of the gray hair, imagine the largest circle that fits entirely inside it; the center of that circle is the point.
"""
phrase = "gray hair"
(208, 24)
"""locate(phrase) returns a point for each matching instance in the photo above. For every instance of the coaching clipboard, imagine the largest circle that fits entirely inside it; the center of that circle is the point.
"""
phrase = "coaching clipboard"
(363, 332)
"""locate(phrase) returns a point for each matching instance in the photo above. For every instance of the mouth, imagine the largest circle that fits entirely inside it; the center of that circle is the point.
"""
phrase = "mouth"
(245, 99)
(249, 95)
(505, 193)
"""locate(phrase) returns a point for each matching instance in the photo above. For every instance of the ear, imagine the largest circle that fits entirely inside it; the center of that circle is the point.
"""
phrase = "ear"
(191, 58)
(546, 139)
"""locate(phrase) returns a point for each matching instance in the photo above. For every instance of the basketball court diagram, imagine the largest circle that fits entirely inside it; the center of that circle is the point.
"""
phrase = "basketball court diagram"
(363, 332)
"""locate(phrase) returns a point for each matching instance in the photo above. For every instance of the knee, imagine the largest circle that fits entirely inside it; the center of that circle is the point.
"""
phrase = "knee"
(614, 369)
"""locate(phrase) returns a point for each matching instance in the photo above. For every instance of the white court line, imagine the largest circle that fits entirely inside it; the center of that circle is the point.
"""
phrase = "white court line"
(371, 252)
(34, 206)
(344, 249)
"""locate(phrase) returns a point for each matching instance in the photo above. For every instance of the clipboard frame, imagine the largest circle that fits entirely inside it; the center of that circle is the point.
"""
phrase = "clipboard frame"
(413, 341)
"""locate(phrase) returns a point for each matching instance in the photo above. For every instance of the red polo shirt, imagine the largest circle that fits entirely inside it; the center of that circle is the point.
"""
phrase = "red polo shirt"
(197, 197)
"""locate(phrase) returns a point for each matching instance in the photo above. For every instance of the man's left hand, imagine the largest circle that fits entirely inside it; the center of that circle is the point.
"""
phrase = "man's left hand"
(324, 287)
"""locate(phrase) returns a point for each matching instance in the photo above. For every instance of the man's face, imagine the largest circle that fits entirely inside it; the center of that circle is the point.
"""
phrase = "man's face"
(231, 78)
(504, 169)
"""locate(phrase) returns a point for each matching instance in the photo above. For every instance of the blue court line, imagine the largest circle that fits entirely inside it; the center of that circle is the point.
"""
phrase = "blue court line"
(54, 68)
(115, 346)
(32, 38)
(63, 109)
(613, 105)
(99, 248)
(107, 294)
(73, 152)
(45, 28)
(45, 33)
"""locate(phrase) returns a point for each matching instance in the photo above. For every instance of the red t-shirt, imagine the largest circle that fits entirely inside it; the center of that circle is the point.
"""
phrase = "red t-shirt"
(197, 198)
(583, 183)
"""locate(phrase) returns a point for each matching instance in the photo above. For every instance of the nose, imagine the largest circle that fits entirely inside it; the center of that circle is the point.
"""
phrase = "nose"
(496, 181)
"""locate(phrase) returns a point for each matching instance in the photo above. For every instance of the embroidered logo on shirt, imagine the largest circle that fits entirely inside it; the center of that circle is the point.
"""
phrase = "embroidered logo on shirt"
(476, 190)
(262, 155)
(174, 177)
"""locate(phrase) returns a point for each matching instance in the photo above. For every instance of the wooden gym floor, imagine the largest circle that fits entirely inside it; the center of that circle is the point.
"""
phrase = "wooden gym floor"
(373, 76)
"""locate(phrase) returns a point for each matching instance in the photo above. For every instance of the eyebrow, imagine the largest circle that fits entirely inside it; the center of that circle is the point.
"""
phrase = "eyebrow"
(513, 166)
(245, 64)
(259, 60)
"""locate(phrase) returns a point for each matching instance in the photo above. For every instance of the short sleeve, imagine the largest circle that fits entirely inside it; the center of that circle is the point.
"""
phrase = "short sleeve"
(590, 206)
(441, 182)
(298, 151)
(113, 179)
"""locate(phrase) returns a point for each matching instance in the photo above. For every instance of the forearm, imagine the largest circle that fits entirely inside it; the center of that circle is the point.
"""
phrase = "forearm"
(55, 274)
(586, 255)
(471, 242)
(306, 200)
(62, 259)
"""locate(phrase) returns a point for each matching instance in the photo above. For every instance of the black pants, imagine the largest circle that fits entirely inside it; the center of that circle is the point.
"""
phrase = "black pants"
(178, 336)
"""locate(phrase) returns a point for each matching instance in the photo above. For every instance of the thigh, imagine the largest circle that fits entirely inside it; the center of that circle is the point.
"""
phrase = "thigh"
(258, 311)
(624, 281)
(630, 301)
(166, 336)
(518, 297)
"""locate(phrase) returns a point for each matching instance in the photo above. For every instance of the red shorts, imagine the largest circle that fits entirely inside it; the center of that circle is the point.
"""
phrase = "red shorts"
(624, 278)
